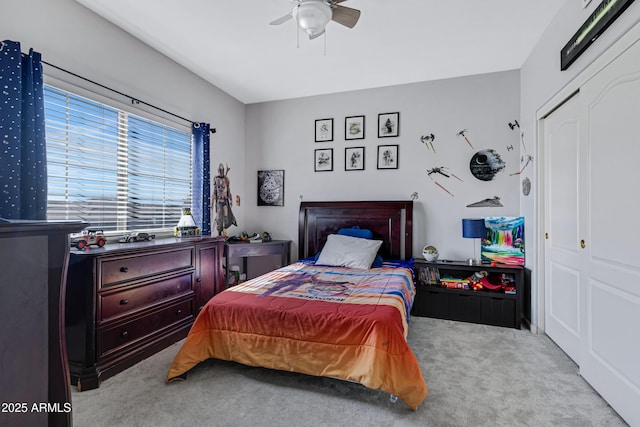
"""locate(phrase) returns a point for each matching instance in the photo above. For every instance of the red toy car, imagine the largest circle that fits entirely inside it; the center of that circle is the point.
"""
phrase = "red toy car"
(90, 236)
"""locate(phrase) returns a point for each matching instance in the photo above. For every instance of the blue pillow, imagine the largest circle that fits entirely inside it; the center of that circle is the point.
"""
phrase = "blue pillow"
(356, 231)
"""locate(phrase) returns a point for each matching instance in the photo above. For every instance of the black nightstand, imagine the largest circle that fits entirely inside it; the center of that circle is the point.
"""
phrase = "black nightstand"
(488, 307)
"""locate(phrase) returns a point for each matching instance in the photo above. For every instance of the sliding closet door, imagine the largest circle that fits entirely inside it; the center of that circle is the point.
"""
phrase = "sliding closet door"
(610, 351)
(563, 226)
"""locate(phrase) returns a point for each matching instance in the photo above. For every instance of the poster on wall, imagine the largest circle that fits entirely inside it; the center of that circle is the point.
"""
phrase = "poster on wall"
(504, 243)
(271, 188)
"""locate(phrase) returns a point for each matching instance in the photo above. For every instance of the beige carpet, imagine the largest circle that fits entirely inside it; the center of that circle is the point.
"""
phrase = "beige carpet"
(477, 376)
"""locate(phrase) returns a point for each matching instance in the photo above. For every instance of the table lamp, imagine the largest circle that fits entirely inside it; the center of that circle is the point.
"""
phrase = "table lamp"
(474, 228)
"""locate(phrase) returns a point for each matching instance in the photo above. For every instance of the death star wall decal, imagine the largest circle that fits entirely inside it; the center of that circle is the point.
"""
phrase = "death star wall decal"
(485, 164)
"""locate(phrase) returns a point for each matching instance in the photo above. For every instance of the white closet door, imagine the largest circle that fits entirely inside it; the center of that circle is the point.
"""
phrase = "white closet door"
(610, 344)
(562, 228)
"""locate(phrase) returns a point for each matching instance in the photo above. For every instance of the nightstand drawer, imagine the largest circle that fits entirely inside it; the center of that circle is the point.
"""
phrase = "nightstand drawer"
(119, 303)
(129, 268)
(115, 338)
(499, 311)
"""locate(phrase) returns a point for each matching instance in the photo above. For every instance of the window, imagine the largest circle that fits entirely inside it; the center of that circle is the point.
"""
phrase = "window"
(113, 169)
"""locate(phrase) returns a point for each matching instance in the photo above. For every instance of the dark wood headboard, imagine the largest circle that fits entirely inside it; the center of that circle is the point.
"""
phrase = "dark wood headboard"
(390, 221)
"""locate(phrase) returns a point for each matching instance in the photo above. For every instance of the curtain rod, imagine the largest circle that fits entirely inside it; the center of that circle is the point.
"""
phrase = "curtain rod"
(133, 100)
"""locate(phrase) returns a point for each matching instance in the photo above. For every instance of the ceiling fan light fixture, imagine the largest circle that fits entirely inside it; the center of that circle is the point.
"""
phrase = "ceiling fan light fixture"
(313, 16)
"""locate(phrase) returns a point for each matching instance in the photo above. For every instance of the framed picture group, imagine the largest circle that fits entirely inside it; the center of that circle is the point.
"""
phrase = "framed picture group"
(354, 129)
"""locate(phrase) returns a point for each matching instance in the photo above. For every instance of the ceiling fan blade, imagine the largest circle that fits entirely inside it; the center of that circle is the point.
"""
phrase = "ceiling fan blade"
(315, 36)
(282, 19)
(346, 16)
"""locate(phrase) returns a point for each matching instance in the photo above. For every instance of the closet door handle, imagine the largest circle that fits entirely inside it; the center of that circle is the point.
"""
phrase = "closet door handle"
(582, 244)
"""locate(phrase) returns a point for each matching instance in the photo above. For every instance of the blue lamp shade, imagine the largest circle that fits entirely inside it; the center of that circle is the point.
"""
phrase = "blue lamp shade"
(473, 228)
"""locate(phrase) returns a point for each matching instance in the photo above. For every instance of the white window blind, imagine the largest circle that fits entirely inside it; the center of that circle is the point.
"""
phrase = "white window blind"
(113, 169)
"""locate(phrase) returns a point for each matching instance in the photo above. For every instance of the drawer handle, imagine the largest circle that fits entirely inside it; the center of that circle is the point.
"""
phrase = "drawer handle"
(124, 334)
(124, 301)
(123, 269)
(178, 312)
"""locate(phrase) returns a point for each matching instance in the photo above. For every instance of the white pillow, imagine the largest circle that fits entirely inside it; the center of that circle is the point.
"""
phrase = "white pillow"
(347, 251)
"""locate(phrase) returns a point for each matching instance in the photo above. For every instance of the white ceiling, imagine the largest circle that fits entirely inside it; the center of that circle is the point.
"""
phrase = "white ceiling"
(231, 44)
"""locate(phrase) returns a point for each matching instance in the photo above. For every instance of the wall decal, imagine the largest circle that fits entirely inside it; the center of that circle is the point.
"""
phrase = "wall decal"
(526, 186)
(271, 188)
(522, 141)
(428, 141)
(514, 125)
(487, 203)
(222, 200)
(463, 133)
(509, 147)
(485, 164)
(526, 159)
(442, 170)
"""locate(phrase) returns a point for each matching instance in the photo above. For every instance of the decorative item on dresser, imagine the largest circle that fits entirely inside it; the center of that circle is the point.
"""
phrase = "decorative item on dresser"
(33, 352)
(127, 301)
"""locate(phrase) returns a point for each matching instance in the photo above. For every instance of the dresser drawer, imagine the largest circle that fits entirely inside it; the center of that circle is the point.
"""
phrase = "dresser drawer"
(112, 339)
(119, 303)
(129, 268)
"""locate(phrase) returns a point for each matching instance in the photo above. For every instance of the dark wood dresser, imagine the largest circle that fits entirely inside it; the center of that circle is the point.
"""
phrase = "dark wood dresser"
(127, 301)
(34, 389)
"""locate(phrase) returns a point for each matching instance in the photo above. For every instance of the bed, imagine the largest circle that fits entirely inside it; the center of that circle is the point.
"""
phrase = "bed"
(324, 320)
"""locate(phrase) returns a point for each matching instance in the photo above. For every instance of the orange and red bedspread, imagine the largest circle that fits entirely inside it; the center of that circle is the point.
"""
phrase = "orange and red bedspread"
(326, 321)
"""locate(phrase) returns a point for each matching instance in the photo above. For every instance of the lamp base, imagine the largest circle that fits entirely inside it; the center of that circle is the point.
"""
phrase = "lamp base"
(472, 261)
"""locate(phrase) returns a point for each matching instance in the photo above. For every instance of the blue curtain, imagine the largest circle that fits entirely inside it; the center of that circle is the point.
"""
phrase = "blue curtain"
(200, 202)
(23, 158)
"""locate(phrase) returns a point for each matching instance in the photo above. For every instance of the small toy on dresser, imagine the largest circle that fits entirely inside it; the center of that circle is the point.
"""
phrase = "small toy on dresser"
(90, 236)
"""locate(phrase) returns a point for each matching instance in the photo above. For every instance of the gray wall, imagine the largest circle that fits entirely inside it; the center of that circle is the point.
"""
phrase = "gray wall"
(280, 135)
(70, 36)
(541, 79)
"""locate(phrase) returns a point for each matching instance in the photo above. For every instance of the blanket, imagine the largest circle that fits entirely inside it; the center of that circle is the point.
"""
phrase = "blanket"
(326, 321)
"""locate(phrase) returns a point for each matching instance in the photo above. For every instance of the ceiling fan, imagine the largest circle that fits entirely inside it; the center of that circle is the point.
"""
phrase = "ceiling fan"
(312, 16)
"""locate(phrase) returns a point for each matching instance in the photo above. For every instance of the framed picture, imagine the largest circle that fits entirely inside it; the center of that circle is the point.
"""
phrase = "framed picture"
(354, 159)
(504, 243)
(271, 188)
(596, 24)
(388, 125)
(324, 130)
(387, 157)
(354, 127)
(323, 160)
